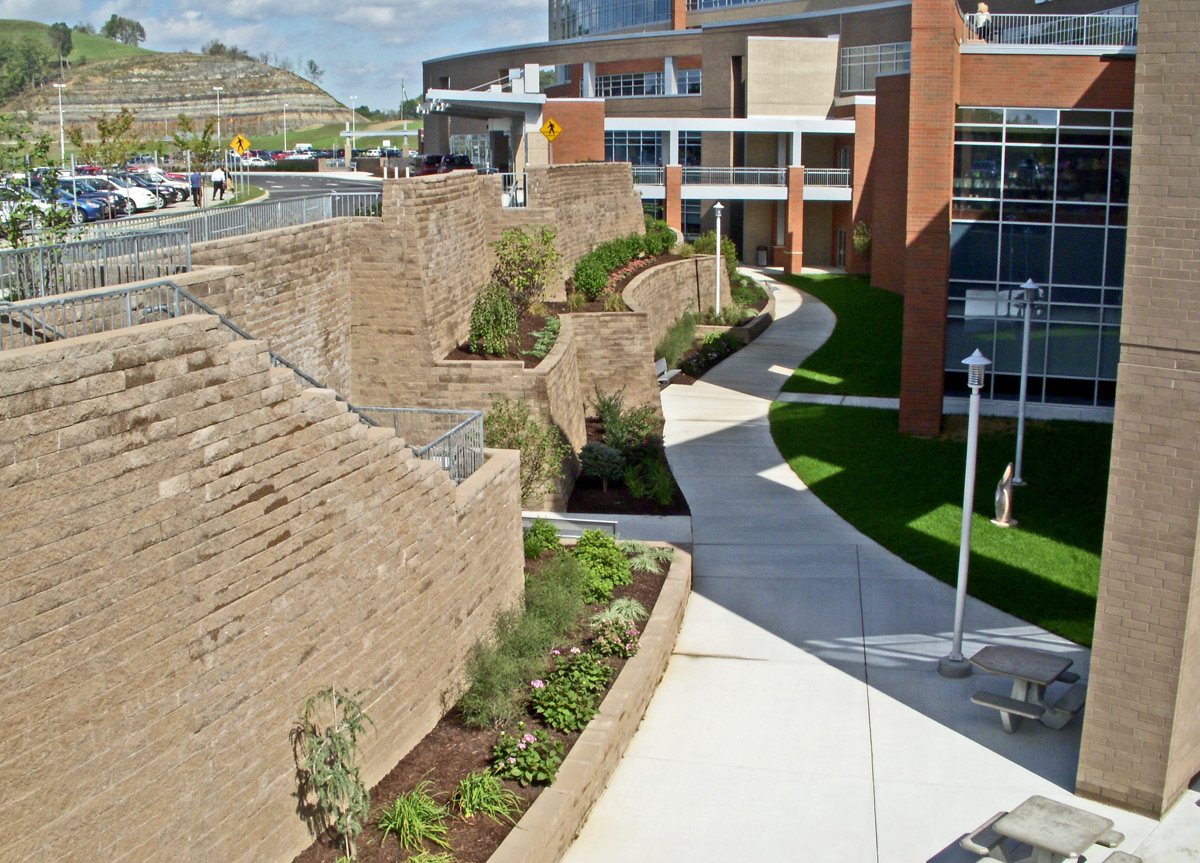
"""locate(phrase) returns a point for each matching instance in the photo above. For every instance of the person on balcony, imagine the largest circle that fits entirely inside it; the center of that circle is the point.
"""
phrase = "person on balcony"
(983, 23)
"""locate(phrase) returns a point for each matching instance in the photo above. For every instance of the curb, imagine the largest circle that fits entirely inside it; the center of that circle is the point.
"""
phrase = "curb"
(551, 824)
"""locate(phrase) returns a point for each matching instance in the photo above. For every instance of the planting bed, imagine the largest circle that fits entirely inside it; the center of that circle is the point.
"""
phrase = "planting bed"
(451, 751)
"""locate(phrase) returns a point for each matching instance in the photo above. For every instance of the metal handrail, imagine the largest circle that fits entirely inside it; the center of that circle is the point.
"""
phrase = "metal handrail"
(837, 177)
(453, 438)
(514, 190)
(217, 223)
(458, 446)
(648, 175)
(735, 176)
(43, 271)
(1084, 30)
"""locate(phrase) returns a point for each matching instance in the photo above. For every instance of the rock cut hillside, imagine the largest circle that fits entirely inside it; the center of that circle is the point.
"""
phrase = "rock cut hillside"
(159, 87)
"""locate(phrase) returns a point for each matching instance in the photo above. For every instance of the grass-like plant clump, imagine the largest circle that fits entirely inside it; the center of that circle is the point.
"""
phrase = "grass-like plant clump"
(906, 494)
(677, 340)
(480, 793)
(862, 356)
(414, 819)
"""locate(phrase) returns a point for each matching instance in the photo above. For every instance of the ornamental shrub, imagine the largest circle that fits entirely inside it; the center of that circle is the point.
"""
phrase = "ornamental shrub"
(606, 566)
(615, 636)
(591, 277)
(540, 536)
(494, 321)
(659, 237)
(511, 425)
(602, 461)
(527, 757)
(706, 244)
(526, 264)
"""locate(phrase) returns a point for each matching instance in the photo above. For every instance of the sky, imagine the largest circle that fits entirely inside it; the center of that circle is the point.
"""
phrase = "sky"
(366, 47)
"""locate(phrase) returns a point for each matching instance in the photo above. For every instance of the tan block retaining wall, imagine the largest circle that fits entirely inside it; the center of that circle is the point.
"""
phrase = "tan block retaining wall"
(665, 292)
(192, 544)
(555, 818)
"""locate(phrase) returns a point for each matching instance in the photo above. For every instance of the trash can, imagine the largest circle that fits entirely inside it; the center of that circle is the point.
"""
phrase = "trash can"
(762, 256)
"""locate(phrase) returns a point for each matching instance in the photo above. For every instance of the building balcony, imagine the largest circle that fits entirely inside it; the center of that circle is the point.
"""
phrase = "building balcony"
(751, 184)
(1076, 31)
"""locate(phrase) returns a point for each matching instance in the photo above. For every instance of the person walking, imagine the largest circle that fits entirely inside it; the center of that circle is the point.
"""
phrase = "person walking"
(218, 181)
(197, 188)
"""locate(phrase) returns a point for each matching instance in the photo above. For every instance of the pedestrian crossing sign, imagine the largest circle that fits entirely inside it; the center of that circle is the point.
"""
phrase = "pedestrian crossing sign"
(240, 144)
(551, 129)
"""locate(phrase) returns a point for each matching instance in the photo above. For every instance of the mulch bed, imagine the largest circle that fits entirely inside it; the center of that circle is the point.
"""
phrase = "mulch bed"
(447, 754)
(590, 496)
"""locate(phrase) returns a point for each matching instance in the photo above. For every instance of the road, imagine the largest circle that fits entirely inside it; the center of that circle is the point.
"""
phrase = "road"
(296, 185)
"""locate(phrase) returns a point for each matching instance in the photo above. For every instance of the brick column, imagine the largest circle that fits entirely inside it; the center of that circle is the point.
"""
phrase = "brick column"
(933, 92)
(793, 249)
(673, 205)
(678, 14)
(862, 197)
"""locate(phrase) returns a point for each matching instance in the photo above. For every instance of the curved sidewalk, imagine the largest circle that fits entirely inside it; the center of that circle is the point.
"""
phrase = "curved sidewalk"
(801, 716)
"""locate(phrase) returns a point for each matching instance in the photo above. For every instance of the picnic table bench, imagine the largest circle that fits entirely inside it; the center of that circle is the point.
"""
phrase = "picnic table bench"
(1031, 672)
(1041, 830)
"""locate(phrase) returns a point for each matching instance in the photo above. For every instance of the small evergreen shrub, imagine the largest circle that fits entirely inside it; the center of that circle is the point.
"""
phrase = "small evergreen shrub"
(546, 337)
(861, 239)
(494, 321)
(591, 277)
(602, 461)
(650, 478)
(608, 407)
(605, 564)
(659, 237)
(510, 424)
(540, 536)
(706, 244)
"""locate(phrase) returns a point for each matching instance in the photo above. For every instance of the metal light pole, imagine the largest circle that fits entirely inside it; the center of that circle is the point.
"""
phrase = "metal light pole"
(1030, 288)
(353, 124)
(219, 89)
(955, 665)
(62, 139)
(285, 125)
(717, 208)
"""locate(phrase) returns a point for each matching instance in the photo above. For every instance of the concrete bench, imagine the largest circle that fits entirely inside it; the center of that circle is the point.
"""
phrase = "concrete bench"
(983, 839)
(1122, 857)
(664, 374)
(1068, 705)
(1008, 705)
(1111, 839)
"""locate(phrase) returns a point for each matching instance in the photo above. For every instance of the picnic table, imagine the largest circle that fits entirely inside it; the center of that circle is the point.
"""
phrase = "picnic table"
(1055, 831)
(1031, 672)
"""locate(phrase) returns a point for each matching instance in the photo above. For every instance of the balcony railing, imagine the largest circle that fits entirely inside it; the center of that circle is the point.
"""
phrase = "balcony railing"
(735, 176)
(513, 189)
(648, 175)
(836, 177)
(454, 439)
(1081, 30)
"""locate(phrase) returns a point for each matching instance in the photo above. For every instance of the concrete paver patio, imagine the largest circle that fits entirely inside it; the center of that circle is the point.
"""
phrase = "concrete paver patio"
(801, 716)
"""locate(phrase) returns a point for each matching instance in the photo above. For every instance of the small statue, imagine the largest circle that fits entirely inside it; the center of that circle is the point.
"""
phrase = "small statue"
(1004, 499)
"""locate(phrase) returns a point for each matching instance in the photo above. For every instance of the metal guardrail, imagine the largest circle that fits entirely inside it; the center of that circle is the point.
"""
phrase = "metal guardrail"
(216, 223)
(648, 175)
(44, 271)
(702, 5)
(735, 176)
(1083, 30)
(452, 438)
(838, 177)
(514, 190)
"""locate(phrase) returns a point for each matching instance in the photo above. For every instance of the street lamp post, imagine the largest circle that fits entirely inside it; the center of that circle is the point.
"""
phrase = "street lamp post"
(218, 90)
(62, 138)
(718, 209)
(285, 125)
(955, 665)
(353, 122)
(1030, 288)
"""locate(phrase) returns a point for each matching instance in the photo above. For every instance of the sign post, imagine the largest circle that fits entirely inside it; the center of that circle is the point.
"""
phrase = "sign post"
(241, 145)
(551, 130)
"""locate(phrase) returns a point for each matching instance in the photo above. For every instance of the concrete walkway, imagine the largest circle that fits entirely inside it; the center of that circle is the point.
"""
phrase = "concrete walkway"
(801, 717)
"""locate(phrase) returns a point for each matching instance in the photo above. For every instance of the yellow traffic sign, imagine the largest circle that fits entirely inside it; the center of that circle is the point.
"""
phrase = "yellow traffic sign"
(551, 129)
(240, 144)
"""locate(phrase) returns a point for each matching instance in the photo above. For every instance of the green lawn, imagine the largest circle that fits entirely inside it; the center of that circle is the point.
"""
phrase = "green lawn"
(85, 47)
(329, 137)
(862, 357)
(906, 492)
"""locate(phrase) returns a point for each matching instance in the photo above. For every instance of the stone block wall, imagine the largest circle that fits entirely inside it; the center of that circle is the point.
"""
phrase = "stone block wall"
(192, 544)
(665, 292)
(592, 203)
(629, 366)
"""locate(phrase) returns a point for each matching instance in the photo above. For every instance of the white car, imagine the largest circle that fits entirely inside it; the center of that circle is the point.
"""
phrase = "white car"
(137, 197)
(254, 162)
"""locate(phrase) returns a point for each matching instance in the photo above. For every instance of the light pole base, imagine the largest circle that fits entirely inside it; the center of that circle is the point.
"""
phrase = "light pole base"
(1018, 482)
(954, 668)
(1012, 522)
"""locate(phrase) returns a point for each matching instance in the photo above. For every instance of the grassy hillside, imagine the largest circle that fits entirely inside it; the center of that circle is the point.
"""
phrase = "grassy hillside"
(329, 136)
(85, 48)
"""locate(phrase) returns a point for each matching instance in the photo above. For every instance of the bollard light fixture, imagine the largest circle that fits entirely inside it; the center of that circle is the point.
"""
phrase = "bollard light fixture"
(718, 208)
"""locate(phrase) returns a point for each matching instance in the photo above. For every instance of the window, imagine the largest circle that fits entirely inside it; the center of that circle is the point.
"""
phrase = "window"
(689, 148)
(572, 18)
(637, 148)
(687, 82)
(691, 220)
(1039, 194)
(632, 84)
(861, 63)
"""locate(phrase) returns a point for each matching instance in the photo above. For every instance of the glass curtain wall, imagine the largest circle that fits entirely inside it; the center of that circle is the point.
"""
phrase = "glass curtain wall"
(572, 18)
(1039, 194)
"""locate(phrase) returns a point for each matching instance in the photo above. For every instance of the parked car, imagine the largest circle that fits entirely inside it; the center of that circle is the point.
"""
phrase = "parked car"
(118, 202)
(83, 209)
(441, 164)
(142, 199)
(254, 162)
(167, 194)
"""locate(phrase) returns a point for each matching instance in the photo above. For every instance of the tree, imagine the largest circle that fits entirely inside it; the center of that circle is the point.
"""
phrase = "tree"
(19, 151)
(84, 27)
(123, 30)
(60, 38)
(23, 63)
(116, 139)
(201, 141)
(313, 72)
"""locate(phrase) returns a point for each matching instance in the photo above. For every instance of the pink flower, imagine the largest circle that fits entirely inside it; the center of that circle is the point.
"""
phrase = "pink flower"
(537, 684)
(576, 650)
(556, 652)
(512, 760)
(529, 738)
(521, 746)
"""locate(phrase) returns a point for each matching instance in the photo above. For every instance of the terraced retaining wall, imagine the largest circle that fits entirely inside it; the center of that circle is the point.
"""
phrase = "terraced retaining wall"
(192, 544)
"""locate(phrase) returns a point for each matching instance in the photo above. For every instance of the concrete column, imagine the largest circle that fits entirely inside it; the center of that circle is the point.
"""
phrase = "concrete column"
(796, 157)
(587, 85)
(672, 148)
(532, 77)
(793, 250)
(670, 83)
(673, 205)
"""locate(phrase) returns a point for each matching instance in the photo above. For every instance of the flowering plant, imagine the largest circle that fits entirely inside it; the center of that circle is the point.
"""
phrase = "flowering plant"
(527, 757)
(567, 699)
(615, 636)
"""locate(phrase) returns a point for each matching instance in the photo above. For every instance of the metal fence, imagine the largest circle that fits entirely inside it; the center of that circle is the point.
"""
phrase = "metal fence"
(454, 439)
(44, 271)
(648, 175)
(1087, 30)
(839, 177)
(513, 190)
(217, 223)
(735, 176)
